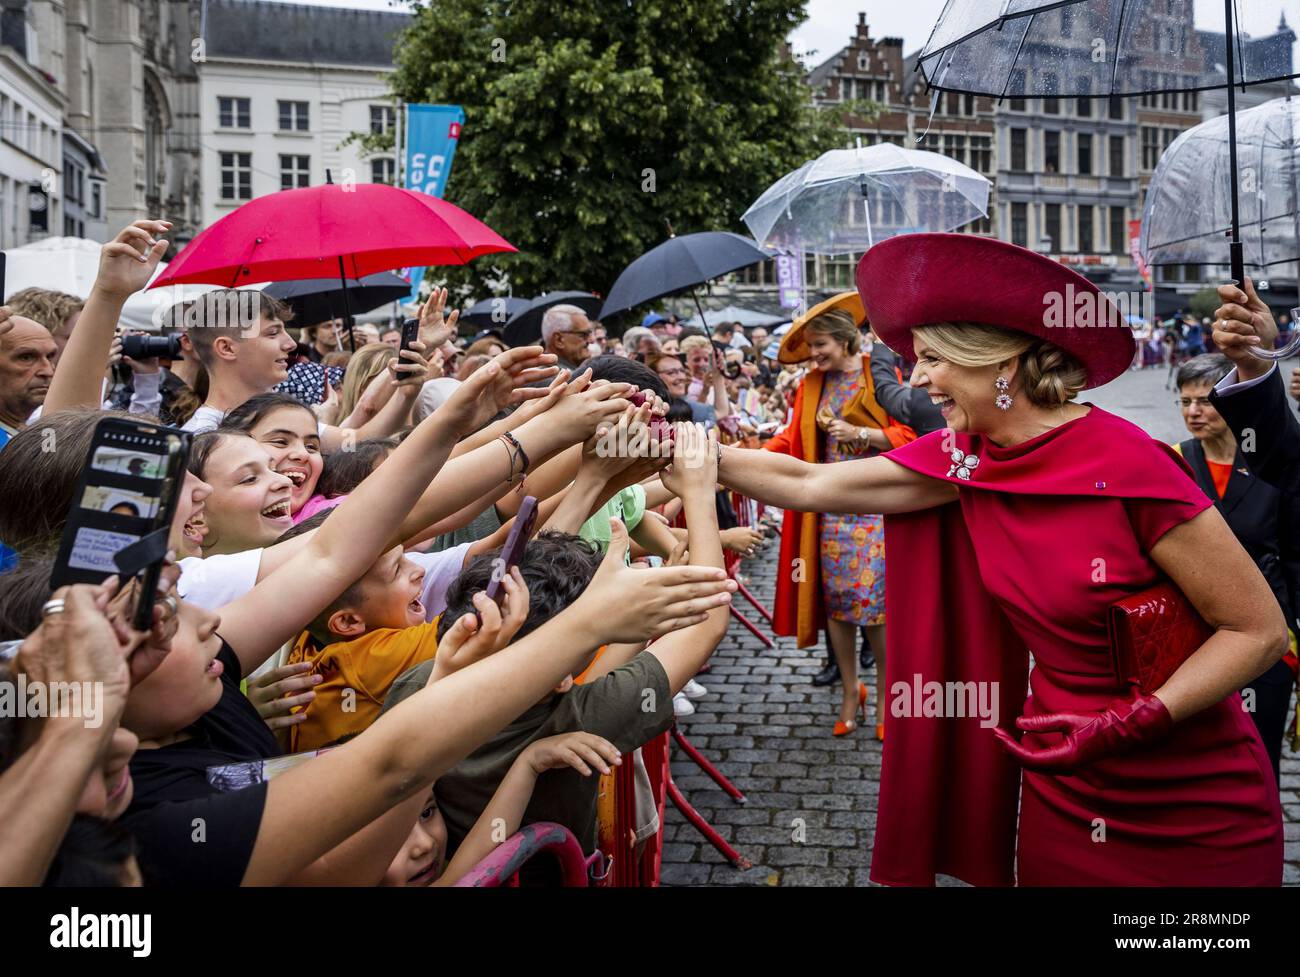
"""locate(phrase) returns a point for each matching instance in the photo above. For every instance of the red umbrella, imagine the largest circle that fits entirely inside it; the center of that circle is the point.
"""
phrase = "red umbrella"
(318, 232)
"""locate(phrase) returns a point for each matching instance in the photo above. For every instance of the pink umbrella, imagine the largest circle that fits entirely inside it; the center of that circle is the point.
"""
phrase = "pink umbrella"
(350, 230)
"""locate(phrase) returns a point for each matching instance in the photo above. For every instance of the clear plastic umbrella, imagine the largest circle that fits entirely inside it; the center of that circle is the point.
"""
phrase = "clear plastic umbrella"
(1099, 48)
(1187, 216)
(846, 200)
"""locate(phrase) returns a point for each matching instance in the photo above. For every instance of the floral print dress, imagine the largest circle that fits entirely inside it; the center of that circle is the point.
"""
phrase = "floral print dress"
(852, 544)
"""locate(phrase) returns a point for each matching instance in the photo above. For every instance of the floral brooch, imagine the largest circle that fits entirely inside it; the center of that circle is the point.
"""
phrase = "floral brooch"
(963, 465)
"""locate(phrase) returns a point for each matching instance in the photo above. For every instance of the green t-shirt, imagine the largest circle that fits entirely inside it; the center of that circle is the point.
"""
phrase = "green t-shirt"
(629, 706)
(628, 505)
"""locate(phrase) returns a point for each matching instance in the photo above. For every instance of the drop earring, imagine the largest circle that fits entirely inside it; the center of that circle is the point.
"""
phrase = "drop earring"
(1003, 399)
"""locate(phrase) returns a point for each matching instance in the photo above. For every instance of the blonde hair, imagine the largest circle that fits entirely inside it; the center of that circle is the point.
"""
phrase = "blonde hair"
(50, 308)
(366, 364)
(839, 326)
(693, 342)
(1051, 376)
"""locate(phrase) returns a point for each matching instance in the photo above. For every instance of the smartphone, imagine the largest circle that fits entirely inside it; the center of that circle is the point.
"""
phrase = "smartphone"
(513, 550)
(410, 333)
(128, 491)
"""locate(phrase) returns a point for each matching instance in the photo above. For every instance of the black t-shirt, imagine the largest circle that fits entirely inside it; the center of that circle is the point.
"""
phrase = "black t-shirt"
(187, 833)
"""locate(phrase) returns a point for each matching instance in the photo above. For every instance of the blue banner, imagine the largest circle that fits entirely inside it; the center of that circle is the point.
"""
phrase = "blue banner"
(432, 132)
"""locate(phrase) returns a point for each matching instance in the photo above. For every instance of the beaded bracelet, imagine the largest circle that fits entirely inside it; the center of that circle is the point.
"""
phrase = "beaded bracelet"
(516, 452)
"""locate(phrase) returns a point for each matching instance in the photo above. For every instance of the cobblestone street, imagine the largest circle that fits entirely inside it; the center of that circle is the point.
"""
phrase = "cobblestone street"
(811, 798)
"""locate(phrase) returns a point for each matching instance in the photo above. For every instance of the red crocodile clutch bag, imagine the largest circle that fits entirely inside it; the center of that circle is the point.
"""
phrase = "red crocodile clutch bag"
(1152, 633)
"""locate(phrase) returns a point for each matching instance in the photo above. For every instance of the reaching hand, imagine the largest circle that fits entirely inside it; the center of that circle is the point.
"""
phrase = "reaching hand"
(434, 329)
(468, 640)
(497, 384)
(272, 694)
(6, 320)
(410, 368)
(695, 461)
(127, 262)
(584, 406)
(744, 540)
(635, 605)
(1243, 322)
(581, 751)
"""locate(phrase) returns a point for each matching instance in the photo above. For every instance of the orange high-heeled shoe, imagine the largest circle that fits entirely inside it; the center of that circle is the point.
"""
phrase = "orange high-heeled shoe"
(880, 732)
(844, 728)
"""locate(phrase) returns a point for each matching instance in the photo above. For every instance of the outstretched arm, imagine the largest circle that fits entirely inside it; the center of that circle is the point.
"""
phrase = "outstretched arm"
(865, 485)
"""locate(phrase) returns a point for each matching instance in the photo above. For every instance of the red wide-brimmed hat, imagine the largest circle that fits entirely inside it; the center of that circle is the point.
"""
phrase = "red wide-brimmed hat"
(922, 279)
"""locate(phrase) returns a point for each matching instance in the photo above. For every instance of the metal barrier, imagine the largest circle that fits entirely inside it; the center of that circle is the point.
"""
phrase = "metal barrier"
(501, 868)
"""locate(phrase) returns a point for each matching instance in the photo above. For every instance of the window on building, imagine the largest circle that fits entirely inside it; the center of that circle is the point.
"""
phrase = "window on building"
(1085, 228)
(1085, 154)
(382, 119)
(96, 209)
(954, 146)
(293, 116)
(1019, 158)
(295, 171)
(1020, 224)
(233, 113)
(968, 104)
(1084, 106)
(383, 170)
(1052, 225)
(1016, 90)
(981, 154)
(1150, 148)
(236, 176)
(1116, 108)
(1118, 231)
(1051, 151)
(863, 62)
(1117, 156)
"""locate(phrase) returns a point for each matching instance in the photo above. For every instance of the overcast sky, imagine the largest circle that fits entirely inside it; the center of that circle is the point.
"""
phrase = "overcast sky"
(832, 22)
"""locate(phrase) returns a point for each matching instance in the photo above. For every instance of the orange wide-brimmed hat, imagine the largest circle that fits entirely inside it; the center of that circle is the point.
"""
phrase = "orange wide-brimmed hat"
(921, 279)
(794, 345)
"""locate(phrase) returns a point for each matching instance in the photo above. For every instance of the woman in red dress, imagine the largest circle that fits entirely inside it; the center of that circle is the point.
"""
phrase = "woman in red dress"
(1011, 533)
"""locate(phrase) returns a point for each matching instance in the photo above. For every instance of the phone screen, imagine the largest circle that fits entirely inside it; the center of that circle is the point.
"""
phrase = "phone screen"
(129, 488)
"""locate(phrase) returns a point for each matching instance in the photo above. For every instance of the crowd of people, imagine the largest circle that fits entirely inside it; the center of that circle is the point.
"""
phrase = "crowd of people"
(340, 640)
(341, 521)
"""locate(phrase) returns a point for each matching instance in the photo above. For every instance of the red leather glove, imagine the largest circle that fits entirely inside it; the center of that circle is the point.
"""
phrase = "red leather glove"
(1121, 727)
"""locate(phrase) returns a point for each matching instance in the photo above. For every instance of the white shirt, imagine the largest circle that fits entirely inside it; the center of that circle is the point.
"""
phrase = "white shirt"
(1229, 384)
(203, 420)
(214, 581)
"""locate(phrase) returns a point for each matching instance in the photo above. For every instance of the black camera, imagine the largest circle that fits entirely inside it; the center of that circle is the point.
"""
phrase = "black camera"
(149, 347)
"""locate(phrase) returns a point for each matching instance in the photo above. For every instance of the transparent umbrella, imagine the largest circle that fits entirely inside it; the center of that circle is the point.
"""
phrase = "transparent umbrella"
(846, 200)
(1186, 216)
(1100, 48)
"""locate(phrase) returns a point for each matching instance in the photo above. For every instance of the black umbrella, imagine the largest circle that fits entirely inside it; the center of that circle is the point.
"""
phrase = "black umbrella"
(1064, 49)
(321, 299)
(526, 326)
(493, 313)
(681, 263)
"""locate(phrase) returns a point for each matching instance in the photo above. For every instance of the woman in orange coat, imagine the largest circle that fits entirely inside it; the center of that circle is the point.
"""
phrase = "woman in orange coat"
(832, 568)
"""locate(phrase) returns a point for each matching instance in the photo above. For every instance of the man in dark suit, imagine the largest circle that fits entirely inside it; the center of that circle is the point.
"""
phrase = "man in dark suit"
(1254, 510)
(904, 403)
(1252, 400)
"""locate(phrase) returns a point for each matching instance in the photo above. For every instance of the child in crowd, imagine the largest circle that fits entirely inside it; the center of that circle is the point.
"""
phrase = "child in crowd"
(628, 702)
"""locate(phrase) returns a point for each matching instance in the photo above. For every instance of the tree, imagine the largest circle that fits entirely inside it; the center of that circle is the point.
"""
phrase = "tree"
(1204, 303)
(592, 126)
